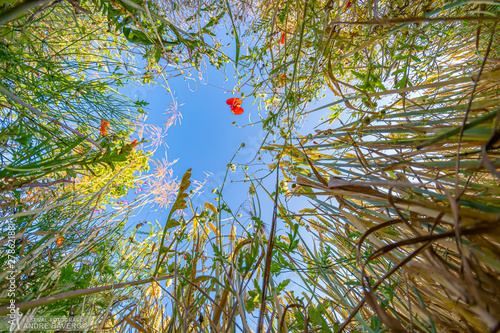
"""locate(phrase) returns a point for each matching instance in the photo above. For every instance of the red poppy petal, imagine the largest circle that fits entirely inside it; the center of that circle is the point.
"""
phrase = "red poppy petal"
(234, 101)
(237, 110)
(283, 38)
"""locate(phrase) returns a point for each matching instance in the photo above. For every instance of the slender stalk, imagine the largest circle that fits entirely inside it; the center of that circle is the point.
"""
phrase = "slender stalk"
(269, 254)
(19, 10)
(39, 113)
(417, 20)
(77, 293)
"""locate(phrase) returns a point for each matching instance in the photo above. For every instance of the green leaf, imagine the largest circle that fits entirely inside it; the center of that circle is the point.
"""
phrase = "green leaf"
(213, 21)
(317, 319)
(171, 224)
(164, 249)
(282, 285)
(235, 32)
(359, 75)
(180, 203)
(158, 53)
(136, 36)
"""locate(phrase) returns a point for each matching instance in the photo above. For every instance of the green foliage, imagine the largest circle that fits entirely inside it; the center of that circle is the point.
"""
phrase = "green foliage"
(401, 173)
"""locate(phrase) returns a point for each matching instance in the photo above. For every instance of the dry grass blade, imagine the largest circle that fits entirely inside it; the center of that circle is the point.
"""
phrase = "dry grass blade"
(269, 255)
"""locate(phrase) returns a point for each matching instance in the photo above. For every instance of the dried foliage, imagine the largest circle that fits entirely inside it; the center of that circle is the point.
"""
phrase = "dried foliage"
(402, 229)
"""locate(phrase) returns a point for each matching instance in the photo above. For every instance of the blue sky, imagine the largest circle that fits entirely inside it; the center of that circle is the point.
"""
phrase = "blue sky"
(206, 139)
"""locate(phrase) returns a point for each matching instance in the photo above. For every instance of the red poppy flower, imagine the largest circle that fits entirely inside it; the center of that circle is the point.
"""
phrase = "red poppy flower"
(348, 5)
(60, 240)
(134, 143)
(234, 104)
(237, 110)
(283, 38)
(104, 127)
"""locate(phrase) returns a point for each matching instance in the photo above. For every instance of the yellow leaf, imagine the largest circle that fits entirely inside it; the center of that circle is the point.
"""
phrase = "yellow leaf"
(209, 205)
(212, 227)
